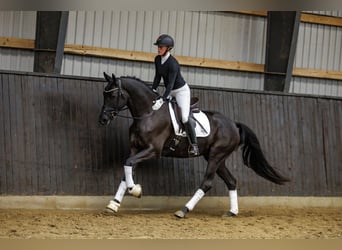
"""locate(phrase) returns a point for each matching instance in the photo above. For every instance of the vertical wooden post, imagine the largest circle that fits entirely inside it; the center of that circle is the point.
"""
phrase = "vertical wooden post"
(49, 43)
(282, 34)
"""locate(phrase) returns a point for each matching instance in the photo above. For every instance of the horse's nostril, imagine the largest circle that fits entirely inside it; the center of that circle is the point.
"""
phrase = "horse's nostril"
(102, 121)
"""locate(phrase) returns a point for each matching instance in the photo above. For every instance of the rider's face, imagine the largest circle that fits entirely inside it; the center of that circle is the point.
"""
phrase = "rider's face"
(162, 50)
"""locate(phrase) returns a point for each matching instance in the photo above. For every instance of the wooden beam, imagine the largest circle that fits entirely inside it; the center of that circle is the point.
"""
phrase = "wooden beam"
(252, 13)
(18, 43)
(149, 57)
(220, 64)
(315, 73)
(85, 50)
(305, 17)
(319, 19)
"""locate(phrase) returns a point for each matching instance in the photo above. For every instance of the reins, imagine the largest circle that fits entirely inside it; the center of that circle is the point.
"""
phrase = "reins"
(133, 117)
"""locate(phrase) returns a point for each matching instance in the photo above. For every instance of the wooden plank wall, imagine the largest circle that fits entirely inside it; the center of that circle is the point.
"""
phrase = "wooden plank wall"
(51, 143)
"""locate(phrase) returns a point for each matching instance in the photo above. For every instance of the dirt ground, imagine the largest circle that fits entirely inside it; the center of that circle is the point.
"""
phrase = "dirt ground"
(256, 223)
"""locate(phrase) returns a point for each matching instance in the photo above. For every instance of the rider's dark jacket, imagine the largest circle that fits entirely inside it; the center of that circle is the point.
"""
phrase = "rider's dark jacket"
(170, 72)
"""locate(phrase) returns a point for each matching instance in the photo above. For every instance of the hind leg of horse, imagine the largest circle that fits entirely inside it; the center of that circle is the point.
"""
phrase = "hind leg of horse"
(230, 181)
(203, 189)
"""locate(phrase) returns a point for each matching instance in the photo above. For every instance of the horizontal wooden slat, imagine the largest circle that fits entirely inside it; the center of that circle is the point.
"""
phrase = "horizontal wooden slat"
(220, 64)
(149, 57)
(85, 50)
(319, 19)
(108, 53)
(17, 43)
(252, 13)
(328, 74)
(305, 18)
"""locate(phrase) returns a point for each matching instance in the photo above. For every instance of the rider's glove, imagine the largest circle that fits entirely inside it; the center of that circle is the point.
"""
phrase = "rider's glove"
(157, 103)
(167, 99)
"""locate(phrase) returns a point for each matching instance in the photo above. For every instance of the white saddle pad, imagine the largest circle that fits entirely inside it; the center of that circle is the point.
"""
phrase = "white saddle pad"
(200, 117)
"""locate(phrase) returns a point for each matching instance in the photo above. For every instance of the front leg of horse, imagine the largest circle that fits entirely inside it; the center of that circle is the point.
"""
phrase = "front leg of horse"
(113, 205)
(148, 153)
(127, 182)
(133, 189)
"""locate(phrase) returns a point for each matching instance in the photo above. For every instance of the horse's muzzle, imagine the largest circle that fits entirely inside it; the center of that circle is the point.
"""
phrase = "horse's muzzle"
(106, 115)
(104, 119)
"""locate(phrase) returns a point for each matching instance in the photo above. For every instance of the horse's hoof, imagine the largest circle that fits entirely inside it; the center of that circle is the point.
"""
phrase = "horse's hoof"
(136, 191)
(112, 207)
(229, 214)
(108, 211)
(179, 214)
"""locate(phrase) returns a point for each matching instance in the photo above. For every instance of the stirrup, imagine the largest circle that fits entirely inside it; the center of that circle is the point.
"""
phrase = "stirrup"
(193, 150)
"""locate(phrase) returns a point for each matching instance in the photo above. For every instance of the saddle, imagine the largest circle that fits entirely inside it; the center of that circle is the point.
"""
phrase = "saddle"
(197, 117)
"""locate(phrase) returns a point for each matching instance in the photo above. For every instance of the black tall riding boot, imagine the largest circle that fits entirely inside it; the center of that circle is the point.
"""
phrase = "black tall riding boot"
(190, 131)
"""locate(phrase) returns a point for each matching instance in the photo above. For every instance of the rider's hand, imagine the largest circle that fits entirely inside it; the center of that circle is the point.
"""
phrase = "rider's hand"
(167, 99)
(158, 103)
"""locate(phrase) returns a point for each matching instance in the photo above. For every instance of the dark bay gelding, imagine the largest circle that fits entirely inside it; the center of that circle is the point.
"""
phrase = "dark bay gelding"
(151, 131)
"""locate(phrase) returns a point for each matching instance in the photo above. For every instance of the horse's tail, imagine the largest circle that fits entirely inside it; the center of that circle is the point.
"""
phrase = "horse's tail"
(254, 158)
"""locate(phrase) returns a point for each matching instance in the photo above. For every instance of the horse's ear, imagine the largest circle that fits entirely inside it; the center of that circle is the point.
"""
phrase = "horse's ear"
(107, 77)
(109, 81)
(113, 77)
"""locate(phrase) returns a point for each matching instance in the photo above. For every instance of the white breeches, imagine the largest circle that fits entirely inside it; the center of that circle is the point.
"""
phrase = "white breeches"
(182, 96)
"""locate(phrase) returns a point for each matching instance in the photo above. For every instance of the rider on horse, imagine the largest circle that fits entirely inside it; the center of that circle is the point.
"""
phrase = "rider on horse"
(167, 67)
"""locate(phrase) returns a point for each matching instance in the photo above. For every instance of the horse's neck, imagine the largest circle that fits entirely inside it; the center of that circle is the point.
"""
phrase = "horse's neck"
(140, 99)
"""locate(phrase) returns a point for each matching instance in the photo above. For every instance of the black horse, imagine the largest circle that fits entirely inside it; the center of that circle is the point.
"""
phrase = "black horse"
(151, 132)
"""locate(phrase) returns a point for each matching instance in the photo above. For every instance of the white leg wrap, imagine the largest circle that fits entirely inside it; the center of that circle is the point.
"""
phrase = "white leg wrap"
(195, 199)
(233, 202)
(121, 191)
(128, 176)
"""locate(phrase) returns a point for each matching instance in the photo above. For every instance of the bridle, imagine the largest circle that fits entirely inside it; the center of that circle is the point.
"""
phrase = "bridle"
(114, 112)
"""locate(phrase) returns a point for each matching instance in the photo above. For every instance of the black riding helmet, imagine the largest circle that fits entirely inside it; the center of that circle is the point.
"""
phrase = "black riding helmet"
(165, 40)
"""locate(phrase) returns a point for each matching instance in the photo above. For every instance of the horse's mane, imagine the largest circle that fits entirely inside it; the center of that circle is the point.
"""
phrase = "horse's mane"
(136, 79)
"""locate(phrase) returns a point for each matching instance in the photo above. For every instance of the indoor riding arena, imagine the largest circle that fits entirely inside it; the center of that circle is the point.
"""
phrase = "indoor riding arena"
(278, 72)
